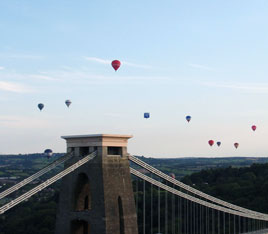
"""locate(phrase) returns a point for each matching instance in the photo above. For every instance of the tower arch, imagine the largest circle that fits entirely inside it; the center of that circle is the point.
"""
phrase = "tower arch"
(121, 215)
(82, 193)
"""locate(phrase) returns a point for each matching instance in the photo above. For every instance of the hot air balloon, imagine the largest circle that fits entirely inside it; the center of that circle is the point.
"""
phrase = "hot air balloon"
(211, 142)
(218, 143)
(172, 175)
(188, 118)
(236, 145)
(40, 106)
(48, 153)
(146, 115)
(116, 64)
(68, 103)
(253, 127)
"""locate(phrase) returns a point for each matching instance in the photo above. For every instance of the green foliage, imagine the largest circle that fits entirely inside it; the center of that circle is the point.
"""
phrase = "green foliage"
(232, 179)
(243, 186)
(182, 167)
(247, 186)
(31, 217)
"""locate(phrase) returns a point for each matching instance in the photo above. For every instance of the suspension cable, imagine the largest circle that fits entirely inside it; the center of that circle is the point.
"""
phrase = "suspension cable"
(35, 176)
(194, 199)
(48, 182)
(192, 190)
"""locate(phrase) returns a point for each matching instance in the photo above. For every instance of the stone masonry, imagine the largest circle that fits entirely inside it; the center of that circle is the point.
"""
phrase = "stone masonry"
(97, 198)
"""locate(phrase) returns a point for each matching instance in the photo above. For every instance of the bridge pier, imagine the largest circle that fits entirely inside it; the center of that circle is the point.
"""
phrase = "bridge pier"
(97, 198)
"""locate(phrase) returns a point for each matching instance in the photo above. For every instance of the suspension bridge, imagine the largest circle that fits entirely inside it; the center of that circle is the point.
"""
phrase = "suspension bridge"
(98, 196)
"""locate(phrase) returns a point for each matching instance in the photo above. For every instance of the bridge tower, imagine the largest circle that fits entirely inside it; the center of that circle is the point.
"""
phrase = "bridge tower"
(97, 198)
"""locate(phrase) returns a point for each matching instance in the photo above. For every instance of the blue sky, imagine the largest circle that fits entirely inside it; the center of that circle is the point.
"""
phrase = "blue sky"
(207, 59)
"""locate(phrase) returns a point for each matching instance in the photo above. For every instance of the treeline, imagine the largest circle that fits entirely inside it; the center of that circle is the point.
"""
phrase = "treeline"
(187, 166)
(37, 215)
(246, 186)
(23, 165)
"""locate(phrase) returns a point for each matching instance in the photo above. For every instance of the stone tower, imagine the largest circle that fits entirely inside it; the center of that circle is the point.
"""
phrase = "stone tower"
(97, 198)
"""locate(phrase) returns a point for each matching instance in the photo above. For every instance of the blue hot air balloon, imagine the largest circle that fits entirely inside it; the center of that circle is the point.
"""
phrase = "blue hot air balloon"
(68, 103)
(146, 115)
(218, 143)
(188, 118)
(40, 106)
(48, 153)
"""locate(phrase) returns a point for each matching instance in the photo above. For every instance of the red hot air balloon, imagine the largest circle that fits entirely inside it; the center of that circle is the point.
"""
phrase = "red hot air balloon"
(253, 127)
(236, 145)
(211, 142)
(116, 64)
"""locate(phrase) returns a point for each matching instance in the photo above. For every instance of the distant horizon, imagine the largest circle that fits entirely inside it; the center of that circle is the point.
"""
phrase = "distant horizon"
(149, 157)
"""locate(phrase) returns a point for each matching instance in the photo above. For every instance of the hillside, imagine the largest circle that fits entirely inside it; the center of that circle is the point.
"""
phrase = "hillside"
(246, 186)
(237, 180)
(186, 166)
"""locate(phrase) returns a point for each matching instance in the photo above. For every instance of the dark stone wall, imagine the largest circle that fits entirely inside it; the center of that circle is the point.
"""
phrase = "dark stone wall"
(80, 227)
(82, 198)
(108, 179)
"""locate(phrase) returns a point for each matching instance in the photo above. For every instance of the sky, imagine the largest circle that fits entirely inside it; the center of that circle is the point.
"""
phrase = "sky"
(207, 59)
